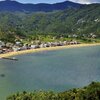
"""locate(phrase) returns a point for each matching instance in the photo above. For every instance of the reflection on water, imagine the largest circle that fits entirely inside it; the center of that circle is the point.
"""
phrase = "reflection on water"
(50, 70)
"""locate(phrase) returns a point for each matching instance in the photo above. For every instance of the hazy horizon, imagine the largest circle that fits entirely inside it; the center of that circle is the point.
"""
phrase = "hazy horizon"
(56, 1)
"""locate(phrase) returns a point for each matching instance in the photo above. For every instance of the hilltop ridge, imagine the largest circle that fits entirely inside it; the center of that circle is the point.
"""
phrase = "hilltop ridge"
(11, 5)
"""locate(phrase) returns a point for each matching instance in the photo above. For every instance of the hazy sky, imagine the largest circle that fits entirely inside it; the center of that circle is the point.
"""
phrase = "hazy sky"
(54, 1)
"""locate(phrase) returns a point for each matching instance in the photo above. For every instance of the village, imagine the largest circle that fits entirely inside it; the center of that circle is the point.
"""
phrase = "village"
(19, 46)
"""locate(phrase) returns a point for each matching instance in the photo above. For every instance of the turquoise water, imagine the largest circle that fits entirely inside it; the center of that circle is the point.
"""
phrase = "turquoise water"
(58, 70)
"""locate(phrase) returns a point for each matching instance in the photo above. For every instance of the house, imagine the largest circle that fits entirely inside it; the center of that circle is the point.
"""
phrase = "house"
(2, 44)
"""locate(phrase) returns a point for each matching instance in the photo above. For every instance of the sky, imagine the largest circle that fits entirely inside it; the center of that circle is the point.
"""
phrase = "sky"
(55, 1)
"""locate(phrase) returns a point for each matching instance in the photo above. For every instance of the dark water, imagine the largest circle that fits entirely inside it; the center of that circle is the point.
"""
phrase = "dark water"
(58, 70)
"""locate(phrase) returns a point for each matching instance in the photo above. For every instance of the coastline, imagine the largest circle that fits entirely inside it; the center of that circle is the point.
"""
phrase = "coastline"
(46, 49)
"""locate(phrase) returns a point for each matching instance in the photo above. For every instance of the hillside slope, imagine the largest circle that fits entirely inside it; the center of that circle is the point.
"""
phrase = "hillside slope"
(82, 22)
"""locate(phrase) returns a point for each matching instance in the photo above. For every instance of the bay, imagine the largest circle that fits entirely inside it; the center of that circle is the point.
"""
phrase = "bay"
(57, 70)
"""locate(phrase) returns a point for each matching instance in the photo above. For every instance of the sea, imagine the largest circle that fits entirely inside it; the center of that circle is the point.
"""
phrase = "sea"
(56, 70)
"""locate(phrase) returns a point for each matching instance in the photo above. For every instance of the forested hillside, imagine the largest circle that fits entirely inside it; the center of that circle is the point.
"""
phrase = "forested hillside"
(82, 22)
(90, 92)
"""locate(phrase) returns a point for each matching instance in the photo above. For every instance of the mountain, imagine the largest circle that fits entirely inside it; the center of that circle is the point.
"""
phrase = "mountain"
(82, 22)
(16, 20)
(10, 5)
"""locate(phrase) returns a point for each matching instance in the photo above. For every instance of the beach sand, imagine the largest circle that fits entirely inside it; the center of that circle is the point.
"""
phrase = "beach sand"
(45, 49)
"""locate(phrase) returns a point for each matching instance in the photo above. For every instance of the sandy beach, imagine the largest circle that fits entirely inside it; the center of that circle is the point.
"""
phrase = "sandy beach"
(45, 49)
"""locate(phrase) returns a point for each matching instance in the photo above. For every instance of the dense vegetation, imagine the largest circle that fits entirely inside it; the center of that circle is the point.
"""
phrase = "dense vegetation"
(91, 92)
(80, 23)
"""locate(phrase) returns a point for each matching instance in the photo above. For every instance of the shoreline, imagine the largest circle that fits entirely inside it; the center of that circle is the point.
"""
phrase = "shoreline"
(9, 54)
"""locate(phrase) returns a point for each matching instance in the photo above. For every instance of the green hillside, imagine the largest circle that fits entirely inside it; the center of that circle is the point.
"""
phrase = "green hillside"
(82, 22)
